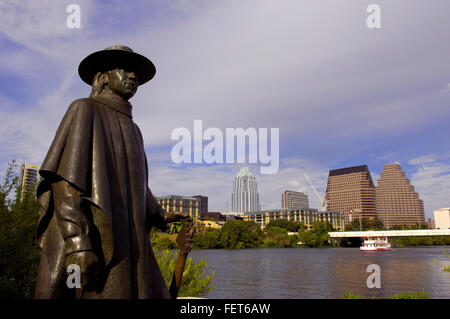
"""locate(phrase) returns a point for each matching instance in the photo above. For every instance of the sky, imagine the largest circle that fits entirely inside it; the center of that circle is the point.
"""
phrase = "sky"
(340, 93)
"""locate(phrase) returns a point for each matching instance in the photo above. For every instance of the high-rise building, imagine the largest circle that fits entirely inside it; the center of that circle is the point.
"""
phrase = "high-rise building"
(351, 190)
(291, 199)
(29, 176)
(306, 216)
(431, 224)
(442, 218)
(396, 201)
(203, 203)
(245, 197)
(188, 205)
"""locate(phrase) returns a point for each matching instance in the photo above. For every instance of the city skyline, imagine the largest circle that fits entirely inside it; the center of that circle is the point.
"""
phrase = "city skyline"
(244, 171)
(341, 94)
(307, 193)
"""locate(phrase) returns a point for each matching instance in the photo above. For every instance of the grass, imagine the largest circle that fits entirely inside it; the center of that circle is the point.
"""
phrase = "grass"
(172, 237)
(412, 295)
(350, 295)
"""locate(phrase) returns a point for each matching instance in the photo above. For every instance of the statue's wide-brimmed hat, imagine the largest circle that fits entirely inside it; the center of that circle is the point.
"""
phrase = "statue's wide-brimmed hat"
(113, 57)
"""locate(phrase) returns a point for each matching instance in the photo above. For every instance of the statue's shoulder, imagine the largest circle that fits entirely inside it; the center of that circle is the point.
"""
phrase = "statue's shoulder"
(83, 105)
(82, 102)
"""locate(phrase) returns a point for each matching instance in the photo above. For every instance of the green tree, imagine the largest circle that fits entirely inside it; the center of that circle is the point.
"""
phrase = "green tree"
(364, 224)
(238, 234)
(275, 230)
(419, 226)
(208, 238)
(290, 226)
(195, 281)
(19, 254)
(277, 237)
(317, 236)
(321, 227)
(321, 230)
(307, 238)
(423, 241)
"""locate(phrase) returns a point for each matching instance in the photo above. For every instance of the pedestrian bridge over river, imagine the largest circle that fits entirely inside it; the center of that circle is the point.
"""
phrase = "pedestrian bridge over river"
(389, 233)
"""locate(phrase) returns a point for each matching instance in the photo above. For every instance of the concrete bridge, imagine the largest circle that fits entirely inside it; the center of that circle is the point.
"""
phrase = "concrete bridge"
(390, 234)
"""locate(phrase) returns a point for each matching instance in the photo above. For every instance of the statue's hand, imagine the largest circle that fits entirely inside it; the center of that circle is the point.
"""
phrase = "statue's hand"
(175, 217)
(184, 238)
(88, 263)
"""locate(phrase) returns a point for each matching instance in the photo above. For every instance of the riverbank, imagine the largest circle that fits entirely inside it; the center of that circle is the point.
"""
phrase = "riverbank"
(422, 241)
(402, 242)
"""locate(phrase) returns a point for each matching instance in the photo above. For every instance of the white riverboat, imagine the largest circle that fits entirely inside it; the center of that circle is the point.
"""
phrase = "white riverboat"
(375, 244)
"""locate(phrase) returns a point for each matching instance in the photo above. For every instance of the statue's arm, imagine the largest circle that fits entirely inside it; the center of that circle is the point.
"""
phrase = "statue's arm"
(75, 226)
(156, 215)
(72, 220)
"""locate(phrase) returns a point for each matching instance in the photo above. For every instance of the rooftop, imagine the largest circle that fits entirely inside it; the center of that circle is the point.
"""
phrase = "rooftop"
(244, 172)
(282, 210)
(349, 170)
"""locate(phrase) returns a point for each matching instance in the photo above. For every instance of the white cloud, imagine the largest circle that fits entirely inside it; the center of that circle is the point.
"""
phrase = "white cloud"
(39, 24)
(432, 182)
(423, 159)
(292, 66)
(254, 64)
(389, 157)
(312, 69)
(25, 135)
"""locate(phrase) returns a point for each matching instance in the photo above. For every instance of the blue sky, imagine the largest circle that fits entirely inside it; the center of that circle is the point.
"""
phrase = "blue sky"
(341, 94)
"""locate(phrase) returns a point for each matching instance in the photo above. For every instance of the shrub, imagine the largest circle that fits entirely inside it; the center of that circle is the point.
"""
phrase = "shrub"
(19, 253)
(195, 281)
(164, 243)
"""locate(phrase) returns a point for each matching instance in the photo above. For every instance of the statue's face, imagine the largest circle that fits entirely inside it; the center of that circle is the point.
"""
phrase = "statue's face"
(122, 83)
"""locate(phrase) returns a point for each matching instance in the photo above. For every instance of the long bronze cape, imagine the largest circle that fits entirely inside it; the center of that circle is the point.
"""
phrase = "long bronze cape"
(99, 150)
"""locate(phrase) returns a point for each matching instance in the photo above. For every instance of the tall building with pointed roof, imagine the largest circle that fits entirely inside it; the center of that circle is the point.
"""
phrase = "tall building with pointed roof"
(397, 203)
(245, 197)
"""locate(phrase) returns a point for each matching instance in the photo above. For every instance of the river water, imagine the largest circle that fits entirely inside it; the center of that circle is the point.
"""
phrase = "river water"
(300, 273)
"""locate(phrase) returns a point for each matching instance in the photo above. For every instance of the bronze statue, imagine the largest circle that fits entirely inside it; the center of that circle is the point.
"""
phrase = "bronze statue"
(97, 209)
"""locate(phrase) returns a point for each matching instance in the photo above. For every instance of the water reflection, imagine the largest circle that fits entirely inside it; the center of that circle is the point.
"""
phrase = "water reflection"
(323, 273)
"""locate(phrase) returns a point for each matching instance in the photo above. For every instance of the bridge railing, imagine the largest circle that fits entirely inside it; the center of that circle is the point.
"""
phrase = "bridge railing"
(391, 233)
